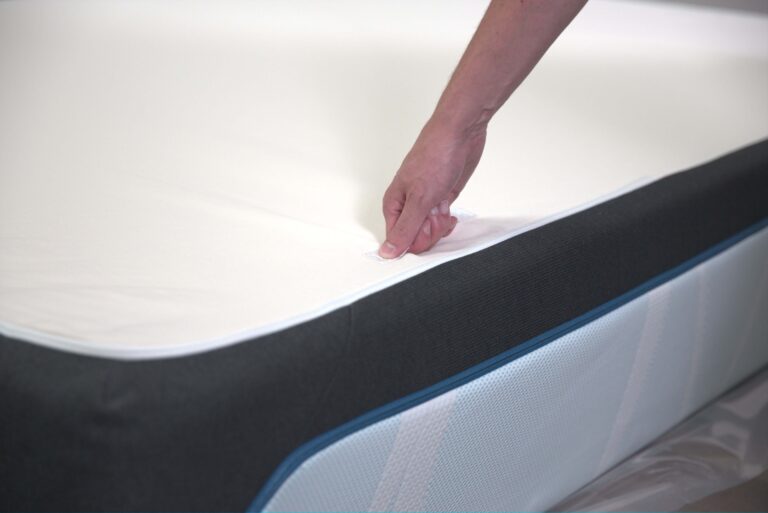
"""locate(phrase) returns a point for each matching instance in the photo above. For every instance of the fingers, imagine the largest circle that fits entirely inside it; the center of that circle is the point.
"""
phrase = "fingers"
(434, 228)
(426, 177)
(454, 221)
(408, 223)
(438, 223)
(392, 207)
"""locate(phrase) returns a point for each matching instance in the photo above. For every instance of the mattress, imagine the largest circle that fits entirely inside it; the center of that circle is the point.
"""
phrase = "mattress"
(192, 316)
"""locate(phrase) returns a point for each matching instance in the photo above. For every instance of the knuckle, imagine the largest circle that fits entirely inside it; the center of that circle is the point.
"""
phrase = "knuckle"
(391, 205)
(400, 231)
(419, 190)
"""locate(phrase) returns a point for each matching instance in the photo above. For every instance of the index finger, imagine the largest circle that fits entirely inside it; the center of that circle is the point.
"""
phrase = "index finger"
(403, 228)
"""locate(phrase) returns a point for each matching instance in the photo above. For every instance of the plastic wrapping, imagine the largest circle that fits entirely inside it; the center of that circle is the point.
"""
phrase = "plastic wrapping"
(722, 446)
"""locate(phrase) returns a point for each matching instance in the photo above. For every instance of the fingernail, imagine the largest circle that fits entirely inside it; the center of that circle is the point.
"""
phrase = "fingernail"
(445, 208)
(388, 250)
(427, 228)
(433, 212)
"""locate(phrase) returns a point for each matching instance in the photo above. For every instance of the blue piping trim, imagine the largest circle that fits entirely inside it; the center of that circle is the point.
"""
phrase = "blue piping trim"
(308, 449)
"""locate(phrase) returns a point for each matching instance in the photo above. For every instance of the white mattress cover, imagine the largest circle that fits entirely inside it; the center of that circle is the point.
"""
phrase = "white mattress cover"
(178, 176)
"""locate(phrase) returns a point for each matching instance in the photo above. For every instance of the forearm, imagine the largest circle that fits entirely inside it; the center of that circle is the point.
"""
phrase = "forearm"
(511, 38)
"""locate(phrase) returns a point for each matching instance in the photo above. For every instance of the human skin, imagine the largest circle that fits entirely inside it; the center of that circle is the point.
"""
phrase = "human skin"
(510, 39)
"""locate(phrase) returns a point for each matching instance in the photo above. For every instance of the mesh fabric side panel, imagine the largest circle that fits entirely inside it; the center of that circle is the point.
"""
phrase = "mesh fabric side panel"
(527, 434)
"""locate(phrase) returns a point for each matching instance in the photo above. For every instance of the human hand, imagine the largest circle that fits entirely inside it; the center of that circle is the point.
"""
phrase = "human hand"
(417, 203)
(508, 42)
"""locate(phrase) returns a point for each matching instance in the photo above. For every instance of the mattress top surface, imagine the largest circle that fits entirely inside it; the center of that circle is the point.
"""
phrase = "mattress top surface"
(181, 176)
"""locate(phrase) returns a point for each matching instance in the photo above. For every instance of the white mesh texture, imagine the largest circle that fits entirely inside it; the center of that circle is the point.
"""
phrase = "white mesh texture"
(529, 433)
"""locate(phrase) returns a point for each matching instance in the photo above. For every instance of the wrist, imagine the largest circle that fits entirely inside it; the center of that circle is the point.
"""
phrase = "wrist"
(463, 124)
(457, 127)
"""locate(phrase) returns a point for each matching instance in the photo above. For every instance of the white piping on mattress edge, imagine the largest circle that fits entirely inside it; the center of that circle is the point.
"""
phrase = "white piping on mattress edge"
(119, 352)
